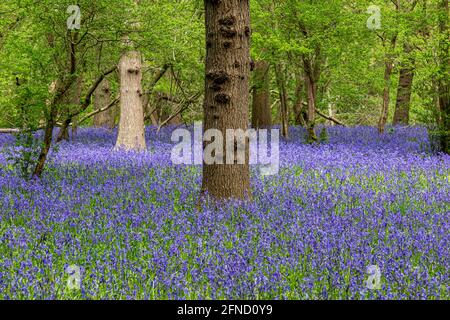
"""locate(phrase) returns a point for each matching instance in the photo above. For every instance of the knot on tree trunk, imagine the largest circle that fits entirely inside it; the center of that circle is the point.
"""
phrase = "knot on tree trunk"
(227, 32)
(227, 44)
(227, 21)
(218, 77)
(222, 98)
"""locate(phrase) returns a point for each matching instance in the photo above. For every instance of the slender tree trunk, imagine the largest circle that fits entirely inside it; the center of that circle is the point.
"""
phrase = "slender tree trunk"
(261, 113)
(48, 137)
(444, 76)
(226, 104)
(298, 109)
(311, 112)
(59, 89)
(386, 93)
(102, 98)
(131, 125)
(149, 112)
(281, 82)
(72, 100)
(330, 108)
(311, 88)
(404, 90)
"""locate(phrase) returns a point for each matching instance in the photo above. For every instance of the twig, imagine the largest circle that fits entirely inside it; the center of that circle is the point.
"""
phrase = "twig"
(93, 113)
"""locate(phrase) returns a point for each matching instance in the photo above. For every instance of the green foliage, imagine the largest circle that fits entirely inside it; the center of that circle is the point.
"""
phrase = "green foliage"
(22, 156)
(35, 42)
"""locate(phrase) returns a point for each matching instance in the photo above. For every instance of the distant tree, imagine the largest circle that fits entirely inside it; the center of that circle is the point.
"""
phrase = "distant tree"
(411, 29)
(404, 88)
(280, 77)
(389, 41)
(261, 113)
(102, 99)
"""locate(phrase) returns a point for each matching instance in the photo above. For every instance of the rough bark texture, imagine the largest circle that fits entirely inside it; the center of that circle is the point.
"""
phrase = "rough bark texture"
(299, 112)
(311, 111)
(48, 137)
(281, 83)
(226, 104)
(102, 98)
(261, 113)
(312, 69)
(386, 92)
(131, 125)
(404, 89)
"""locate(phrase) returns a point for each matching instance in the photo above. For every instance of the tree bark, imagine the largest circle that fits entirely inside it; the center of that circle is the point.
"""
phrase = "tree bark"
(404, 89)
(261, 113)
(311, 112)
(226, 104)
(299, 112)
(72, 101)
(102, 98)
(60, 90)
(131, 125)
(386, 91)
(48, 137)
(312, 69)
(281, 82)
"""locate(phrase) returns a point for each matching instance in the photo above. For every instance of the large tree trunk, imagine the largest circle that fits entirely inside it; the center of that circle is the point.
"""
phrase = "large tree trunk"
(281, 82)
(226, 104)
(261, 113)
(386, 92)
(131, 125)
(404, 89)
(444, 76)
(102, 98)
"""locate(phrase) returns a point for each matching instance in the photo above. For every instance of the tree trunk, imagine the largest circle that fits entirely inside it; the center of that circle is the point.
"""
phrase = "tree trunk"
(281, 82)
(261, 113)
(102, 98)
(131, 125)
(72, 101)
(299, 112)
(226, 104)
(48, 137)
(311, 111)
(59, 89)
(404, 89)
(386, 92)
(444, 76)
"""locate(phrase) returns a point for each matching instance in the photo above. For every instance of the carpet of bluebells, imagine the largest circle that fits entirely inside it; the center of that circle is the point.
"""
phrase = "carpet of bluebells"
(132, 223)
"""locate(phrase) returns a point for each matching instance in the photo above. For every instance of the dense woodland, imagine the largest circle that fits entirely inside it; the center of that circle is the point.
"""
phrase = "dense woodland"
(91, 90)
(311, 62)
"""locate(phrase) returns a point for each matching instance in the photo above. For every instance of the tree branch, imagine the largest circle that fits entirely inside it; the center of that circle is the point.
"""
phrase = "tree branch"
(93, 113)
(329, 118)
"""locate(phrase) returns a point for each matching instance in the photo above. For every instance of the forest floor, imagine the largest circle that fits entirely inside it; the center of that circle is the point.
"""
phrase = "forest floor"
(131, 224)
